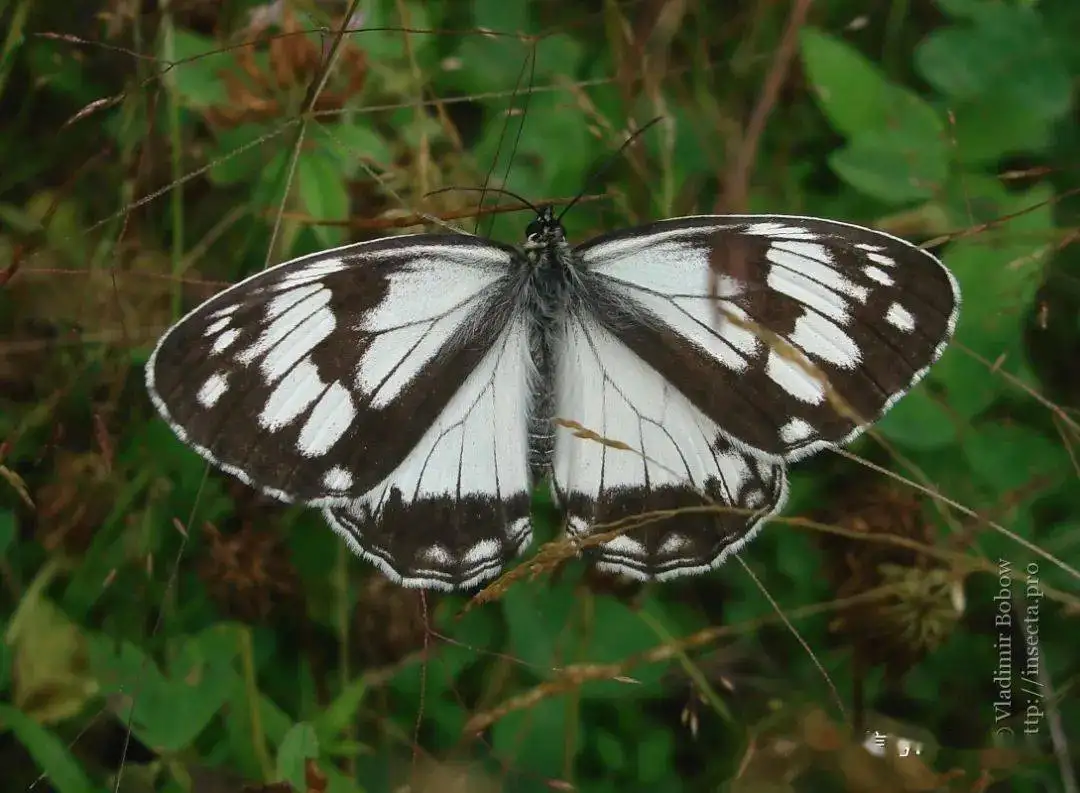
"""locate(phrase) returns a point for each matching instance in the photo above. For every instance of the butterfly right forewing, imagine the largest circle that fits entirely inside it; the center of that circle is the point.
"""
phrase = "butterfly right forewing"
(794, 334)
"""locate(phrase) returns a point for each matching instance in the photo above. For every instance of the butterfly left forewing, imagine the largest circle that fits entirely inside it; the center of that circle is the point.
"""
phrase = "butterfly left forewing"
(313, 380)
(791, 333)
(631, 450)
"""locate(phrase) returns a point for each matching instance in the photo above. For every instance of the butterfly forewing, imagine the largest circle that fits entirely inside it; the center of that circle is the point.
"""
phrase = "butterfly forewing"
(790, 333)
(630, 444)
(314, 380)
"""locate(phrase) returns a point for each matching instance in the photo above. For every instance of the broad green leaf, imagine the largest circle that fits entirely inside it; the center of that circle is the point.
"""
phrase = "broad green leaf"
(501, 16)
(1006, 52)
(990, 128)
(167, 712)
(610, 749)
(613, 632)
(341, 712)
(538, 619)
(654, 755)
(347, 143)
(240, 155)
(323, 193)
(891, 167)
(539, 739)
(1009, 457)
(384, 45)
(919, 421)
(198, 76)
(61, 769)
(970, 385)
(857, 98)
(299, 745)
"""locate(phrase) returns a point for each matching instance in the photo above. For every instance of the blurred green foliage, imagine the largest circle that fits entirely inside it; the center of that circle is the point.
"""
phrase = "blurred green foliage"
(150, 155)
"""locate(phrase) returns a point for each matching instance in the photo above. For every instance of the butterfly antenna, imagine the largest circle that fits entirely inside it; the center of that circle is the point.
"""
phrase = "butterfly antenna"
(487, 189)
(603, 169)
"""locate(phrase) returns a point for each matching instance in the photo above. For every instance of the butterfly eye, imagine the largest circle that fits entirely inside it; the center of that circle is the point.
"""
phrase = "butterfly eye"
(534, 229)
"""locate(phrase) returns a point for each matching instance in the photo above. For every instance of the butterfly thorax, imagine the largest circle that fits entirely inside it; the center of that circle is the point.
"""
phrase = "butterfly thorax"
(547, 295)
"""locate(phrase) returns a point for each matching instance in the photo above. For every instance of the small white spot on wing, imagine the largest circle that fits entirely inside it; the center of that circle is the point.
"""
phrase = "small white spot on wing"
(225, 340)
(796, 430)
(337, 478)
(673, 543)
(217, 326)
(879, 275)
(900, 318)
(212, 390)
(779, 231)
(626, 546)
(882, 259)
(818, 336)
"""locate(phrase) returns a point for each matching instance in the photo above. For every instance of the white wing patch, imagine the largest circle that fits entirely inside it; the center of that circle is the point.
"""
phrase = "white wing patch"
(676, 452)
(476, 449)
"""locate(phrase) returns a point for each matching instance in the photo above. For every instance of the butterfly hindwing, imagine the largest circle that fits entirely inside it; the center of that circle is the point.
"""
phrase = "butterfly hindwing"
(860, 316)
(629, 443)
(315, 379)
(457, 508)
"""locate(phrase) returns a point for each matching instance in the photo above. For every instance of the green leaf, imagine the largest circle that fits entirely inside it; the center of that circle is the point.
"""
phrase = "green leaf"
(1009, 457)
(384, 47)
(611, 751)
(654, 755)
(970, 386)
(239, 156)
(167, 712)
(1006, 52)
(501, 16)
(323, 193)
(538, 624)
(1000, 271)
(341, 712)
(892, 167)
(918, 421)
(988, 129)
(349, 142)
(197, 80)
(7, 530)
(857, 98)
(539, 739)
(615, 632)
(61, 769)
(299, 745)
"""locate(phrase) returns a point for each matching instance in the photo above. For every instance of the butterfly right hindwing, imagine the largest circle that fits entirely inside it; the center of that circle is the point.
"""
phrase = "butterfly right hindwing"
(658, 454)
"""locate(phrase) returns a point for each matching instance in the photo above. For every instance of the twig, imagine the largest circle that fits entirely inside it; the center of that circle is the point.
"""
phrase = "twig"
(737, 180)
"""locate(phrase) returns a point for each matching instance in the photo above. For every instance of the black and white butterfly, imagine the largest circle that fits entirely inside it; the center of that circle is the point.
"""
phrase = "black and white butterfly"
(416, 387)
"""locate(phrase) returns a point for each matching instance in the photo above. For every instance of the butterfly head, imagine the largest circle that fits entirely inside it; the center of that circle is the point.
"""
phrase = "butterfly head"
(544, 231)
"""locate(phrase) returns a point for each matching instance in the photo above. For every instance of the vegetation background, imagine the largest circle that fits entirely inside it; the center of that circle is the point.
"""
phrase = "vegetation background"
(167, 629)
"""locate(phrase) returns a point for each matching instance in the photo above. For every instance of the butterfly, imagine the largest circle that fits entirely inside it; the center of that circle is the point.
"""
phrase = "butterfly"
(416, 387)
